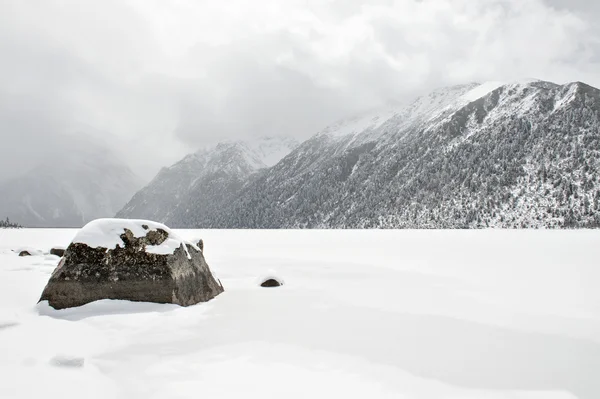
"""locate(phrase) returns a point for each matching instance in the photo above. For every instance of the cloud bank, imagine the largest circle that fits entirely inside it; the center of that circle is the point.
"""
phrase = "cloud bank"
(157, 79)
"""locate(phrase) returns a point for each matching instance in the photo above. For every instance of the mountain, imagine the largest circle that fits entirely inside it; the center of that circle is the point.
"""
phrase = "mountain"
(83, 182)
(514, 155)
(189, 192)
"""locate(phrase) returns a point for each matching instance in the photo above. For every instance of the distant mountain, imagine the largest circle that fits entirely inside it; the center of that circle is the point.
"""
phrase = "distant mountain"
(83, 182)
(524, 154)
(188, 193)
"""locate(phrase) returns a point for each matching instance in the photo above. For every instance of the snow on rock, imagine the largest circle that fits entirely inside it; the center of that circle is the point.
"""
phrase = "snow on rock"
(563, 99)
(106, 233)
(28, 251)
(271, 279)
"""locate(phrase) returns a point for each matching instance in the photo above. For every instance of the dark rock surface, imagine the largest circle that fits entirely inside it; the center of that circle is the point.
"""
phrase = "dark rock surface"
(60, 252)
(130, 272)
(271, 283)
(24, 253)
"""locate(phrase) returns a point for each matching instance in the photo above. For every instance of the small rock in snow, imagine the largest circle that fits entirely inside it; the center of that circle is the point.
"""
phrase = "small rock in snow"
(270, 279)
(271, 283)
(60, 252)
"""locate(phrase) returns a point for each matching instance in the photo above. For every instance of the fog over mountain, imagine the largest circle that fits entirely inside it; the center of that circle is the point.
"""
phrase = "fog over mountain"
(203, 183)
(82, 182)
(516, 154)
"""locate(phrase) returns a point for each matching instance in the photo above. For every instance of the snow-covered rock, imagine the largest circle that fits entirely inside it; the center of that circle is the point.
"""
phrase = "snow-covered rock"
(270, 279)
(271, 282)
(28, 251)
(134, 260)
(109, 233)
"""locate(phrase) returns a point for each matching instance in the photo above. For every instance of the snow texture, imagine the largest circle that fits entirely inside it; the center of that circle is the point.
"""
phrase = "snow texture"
(360, 124)
(482, 90)
(67, 361)
(106, 233)
(485, 314)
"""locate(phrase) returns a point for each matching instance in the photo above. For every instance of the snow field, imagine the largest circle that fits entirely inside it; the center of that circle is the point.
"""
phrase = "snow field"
(382, 314)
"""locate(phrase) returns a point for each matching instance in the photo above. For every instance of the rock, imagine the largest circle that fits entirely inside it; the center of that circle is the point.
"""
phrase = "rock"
(270, 279)
(271, 282)
(130, 260)
(201, 245)
(60, 252)
(27, 251)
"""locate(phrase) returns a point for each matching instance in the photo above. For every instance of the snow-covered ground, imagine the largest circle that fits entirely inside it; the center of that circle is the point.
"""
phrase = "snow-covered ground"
(362, 314)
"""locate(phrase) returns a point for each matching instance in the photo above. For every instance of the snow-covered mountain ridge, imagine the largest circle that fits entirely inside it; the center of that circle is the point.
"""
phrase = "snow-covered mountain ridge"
(522, 154)
(204, 181)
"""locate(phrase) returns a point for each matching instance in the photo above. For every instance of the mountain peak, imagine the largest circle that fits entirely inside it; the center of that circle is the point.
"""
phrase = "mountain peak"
(492, 154)
(192, 182)
(433, 106)
(264, 151)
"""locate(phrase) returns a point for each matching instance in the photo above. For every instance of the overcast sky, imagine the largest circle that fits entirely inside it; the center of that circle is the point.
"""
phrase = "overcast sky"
(158, 79)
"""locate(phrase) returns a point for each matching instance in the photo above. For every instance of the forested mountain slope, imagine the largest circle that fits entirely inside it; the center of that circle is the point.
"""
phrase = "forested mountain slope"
(204, 182)
(522, 154)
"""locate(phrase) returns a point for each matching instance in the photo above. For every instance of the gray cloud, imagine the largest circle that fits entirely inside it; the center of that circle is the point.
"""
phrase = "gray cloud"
(156, 80)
